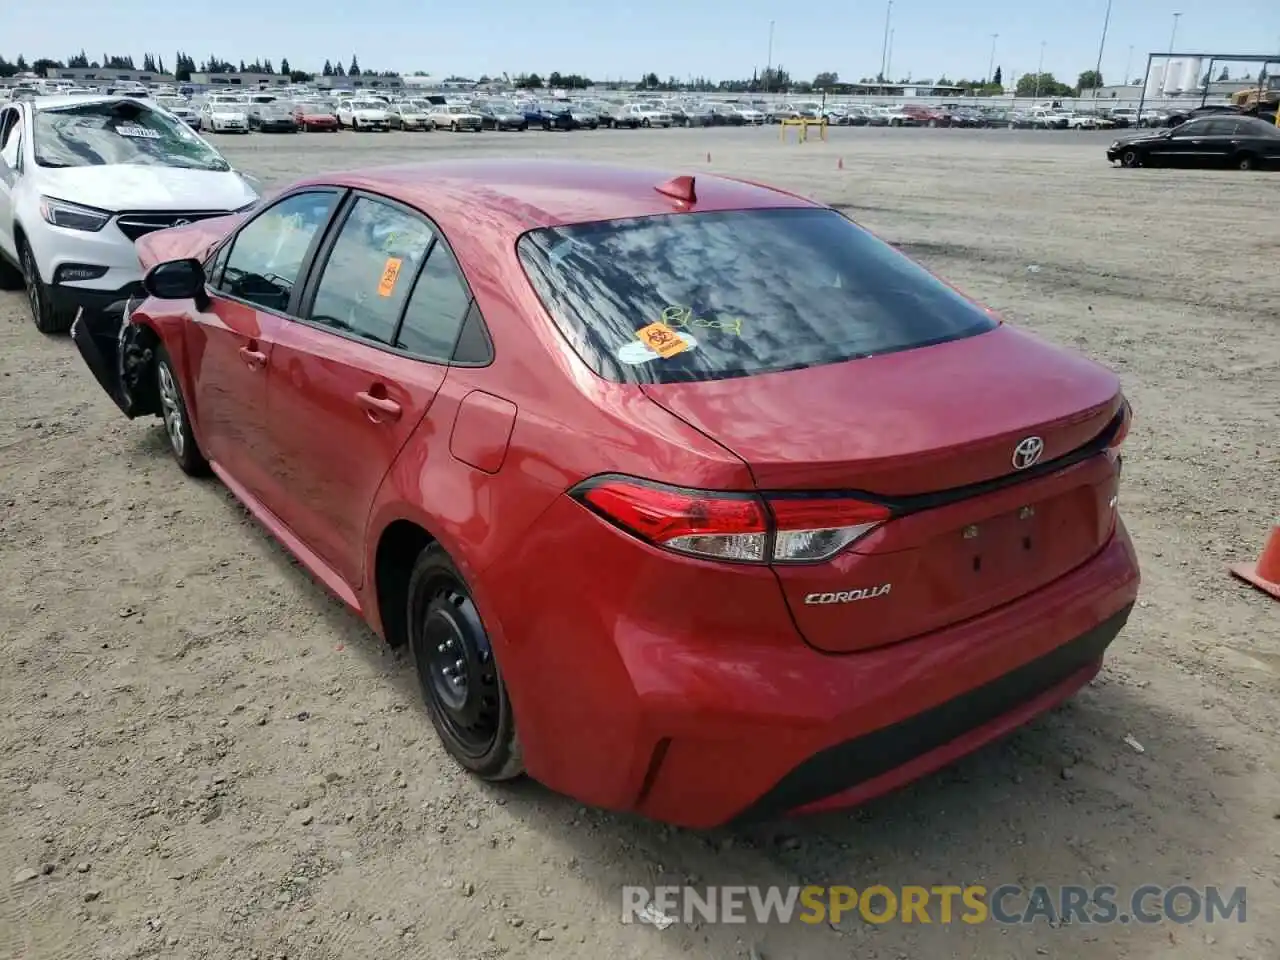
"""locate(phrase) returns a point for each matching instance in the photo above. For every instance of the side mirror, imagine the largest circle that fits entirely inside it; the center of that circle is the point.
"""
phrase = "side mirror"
(177, 280)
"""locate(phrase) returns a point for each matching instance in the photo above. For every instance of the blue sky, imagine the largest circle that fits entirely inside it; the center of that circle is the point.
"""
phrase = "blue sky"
(605, 40)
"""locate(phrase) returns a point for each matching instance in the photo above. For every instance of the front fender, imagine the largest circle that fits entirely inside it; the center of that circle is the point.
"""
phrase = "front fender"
(120, 354)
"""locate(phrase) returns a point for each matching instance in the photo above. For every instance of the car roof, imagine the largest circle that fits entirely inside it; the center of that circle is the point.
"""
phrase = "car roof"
(513, 196)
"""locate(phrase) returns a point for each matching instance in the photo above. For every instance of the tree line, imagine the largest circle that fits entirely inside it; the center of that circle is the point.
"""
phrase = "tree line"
(184, 66)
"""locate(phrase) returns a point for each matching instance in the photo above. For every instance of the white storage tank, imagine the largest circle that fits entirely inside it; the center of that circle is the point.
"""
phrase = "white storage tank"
(1183, 75)
(1155, 79)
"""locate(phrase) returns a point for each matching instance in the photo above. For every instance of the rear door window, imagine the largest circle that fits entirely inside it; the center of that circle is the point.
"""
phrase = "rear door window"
(436, 309)
(370, 271)
(745, 292)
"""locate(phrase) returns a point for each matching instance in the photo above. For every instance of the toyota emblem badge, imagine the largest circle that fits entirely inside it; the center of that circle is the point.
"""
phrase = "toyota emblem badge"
(1027, 453)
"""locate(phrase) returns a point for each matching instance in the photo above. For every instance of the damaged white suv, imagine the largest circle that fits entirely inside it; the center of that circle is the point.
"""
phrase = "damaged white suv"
(82, 178)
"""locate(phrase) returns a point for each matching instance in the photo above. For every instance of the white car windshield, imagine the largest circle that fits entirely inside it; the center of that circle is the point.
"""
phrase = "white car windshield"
(367, 105)
(97, 134)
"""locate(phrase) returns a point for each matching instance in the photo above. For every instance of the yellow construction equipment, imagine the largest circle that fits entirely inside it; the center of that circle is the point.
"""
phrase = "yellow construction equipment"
(803, 123)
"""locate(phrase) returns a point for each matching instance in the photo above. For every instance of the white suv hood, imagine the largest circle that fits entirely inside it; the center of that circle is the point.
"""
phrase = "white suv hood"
(128, 187)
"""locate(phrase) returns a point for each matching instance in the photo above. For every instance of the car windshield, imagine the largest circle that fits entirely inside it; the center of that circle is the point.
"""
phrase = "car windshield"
(749, 292)
(367, 105)
(125, 132)
(278, 109)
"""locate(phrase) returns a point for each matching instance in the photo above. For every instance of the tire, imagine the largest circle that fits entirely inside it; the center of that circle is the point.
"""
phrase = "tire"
(47, 318)
(644, 122)
(1246, 161)
(10, 276)
(458, 675)
(177, 422)
(1130, 159)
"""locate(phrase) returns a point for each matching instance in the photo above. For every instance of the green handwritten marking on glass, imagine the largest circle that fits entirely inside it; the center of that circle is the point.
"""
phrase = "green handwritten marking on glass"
(678, 317)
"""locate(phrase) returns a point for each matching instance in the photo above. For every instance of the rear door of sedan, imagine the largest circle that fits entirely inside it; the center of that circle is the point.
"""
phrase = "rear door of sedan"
(351, 386)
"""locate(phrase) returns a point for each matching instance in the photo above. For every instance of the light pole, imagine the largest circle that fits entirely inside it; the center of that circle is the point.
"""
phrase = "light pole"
(884, 49)
(991, 62)
(1039, 71)
(1097, 71)
(768, 70)
(888, 63)
(1174, 35)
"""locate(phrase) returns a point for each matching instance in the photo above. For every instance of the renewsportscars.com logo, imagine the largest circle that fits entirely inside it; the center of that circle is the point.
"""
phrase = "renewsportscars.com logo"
(1008, 904)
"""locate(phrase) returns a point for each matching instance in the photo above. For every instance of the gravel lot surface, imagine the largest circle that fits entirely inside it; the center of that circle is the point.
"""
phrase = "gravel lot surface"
(203, 756)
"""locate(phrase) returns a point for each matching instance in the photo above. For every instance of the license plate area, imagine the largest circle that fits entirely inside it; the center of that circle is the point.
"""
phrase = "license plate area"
(1006, 546)
(1030, 545)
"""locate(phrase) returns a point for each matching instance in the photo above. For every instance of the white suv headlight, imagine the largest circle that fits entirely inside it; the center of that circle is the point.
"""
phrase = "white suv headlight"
(72, 216)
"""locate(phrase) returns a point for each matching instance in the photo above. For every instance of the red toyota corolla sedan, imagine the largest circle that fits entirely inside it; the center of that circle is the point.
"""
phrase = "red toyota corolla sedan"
(689, 497)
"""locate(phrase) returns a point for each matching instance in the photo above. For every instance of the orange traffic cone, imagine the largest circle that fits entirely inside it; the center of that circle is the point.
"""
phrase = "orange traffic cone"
(1265, 574)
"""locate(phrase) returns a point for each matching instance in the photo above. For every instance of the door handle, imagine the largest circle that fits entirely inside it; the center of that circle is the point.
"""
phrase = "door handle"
(254, 359)
(379, 408)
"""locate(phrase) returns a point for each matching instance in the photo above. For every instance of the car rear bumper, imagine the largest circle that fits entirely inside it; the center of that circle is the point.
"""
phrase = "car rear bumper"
(707, 707)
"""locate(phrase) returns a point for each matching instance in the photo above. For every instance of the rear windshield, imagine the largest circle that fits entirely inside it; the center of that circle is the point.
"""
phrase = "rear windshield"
(708, 296)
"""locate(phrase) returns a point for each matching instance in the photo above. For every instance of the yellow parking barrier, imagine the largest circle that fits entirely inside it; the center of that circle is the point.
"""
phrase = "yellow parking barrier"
(803, 123)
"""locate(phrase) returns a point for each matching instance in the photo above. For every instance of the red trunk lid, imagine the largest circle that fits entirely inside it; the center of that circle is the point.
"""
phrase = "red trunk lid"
(920, 422)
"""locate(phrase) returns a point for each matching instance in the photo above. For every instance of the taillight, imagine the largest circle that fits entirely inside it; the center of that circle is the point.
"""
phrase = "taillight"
(1125, 416)
(741, 527)
(816, 529)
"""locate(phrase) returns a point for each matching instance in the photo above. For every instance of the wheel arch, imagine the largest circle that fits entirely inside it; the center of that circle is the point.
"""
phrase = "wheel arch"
(398, 547)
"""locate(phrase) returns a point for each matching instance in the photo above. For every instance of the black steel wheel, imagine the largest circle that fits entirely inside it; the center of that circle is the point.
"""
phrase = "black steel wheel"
(458, 672)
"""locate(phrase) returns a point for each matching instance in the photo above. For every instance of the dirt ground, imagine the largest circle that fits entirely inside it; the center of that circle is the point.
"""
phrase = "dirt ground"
(203, 756)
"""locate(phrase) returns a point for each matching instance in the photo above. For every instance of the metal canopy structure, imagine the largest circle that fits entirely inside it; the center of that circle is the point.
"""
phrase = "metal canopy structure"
(1268, 60)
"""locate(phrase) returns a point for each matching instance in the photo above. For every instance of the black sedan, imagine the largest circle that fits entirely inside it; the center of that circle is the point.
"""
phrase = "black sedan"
(496, 116)
(1241, 143)
(550, 116)
(275, 118)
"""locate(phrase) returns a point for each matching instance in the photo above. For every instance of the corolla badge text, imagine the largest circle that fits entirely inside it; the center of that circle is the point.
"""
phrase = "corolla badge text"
(849, 596)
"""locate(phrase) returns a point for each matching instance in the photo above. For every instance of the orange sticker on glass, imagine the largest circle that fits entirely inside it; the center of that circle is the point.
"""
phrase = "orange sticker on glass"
(390, 273)
(662, 340)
